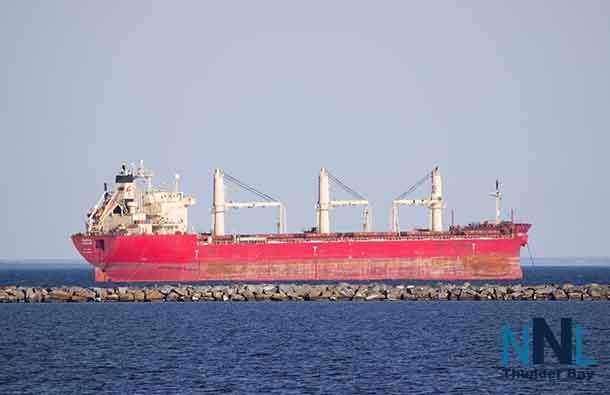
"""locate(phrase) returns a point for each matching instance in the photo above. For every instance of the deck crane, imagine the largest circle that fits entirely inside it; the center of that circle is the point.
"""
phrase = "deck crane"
(325, 203)
(219, 205)
(435, 202)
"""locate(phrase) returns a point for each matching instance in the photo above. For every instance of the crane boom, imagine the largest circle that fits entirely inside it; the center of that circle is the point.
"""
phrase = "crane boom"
(220, 204)
(435, 202)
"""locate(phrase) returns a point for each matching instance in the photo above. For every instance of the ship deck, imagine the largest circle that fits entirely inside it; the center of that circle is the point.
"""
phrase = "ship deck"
(479, 231)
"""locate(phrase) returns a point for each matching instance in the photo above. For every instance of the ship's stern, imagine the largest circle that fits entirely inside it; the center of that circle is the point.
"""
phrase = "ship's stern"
(90, 248)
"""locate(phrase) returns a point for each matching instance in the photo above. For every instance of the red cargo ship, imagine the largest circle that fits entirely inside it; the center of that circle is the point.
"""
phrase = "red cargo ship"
(139, 233)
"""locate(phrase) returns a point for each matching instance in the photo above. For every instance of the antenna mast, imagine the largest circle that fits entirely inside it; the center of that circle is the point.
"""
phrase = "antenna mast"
(498, 196)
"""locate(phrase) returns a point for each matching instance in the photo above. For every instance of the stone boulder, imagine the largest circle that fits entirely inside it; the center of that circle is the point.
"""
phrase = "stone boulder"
(279, 297)
(269, 289)
(153, 295)
(518, 295)
(126, 296)
(595, 291)
(139, 295)
(574, 295)
(469, 294)
(17, 294)
(83, 294)
(528, 294)
(111, 297)
(375, 295)
(238, 298)
(443, 294)
(58, 295)
(5, 297)
(314, 293)
(394, 294)
(180, 291)
(33, 295)
(559, 294)
(173, 297)
(543, 292)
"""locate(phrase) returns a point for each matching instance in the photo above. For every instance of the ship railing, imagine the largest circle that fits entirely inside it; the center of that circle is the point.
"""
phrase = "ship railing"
(338, 237)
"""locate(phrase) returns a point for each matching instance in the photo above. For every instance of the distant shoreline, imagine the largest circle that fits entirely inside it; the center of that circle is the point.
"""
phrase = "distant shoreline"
(33, 261)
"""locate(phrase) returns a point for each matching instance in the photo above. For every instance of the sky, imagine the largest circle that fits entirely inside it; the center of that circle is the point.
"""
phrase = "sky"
(378, 92)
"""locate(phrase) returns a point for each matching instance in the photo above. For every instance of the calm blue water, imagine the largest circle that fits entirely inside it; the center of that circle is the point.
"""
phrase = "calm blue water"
(283, 348)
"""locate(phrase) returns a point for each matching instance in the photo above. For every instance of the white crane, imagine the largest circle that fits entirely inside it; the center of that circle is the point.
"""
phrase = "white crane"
(435, 202)
(219, 205)
(325, 203)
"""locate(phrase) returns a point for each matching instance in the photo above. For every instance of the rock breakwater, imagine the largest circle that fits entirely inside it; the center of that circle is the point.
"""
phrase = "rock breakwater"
(304, 292)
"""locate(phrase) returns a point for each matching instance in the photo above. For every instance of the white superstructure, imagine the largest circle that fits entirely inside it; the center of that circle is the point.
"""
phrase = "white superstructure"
(131, 210)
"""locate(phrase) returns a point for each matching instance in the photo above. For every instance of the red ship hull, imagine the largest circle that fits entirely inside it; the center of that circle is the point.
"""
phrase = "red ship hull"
(480, 255)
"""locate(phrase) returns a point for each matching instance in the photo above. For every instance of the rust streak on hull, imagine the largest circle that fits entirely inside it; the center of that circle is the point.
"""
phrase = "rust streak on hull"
(439, 268)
